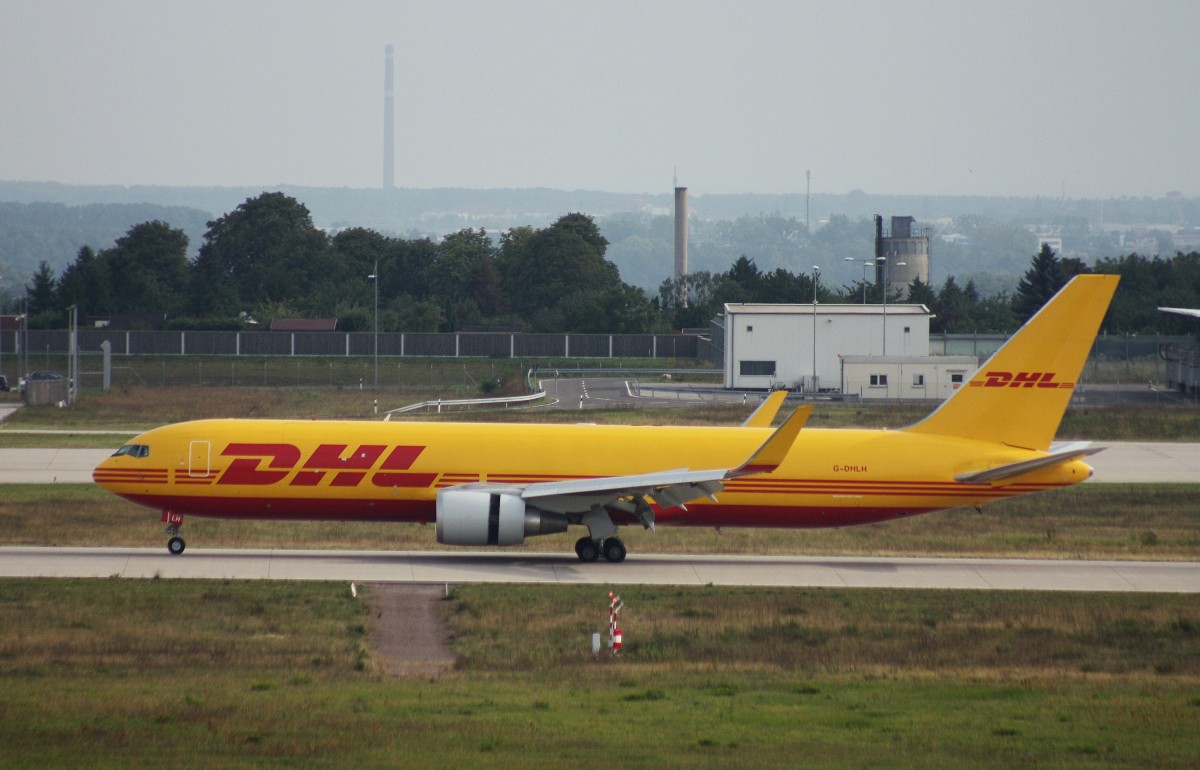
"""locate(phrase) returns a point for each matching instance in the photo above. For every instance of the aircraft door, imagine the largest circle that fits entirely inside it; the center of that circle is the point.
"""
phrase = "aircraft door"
(199, 458)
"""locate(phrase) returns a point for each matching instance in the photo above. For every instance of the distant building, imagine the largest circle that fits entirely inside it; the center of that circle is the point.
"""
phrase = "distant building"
(1053, 241)
(924, 377)
(901, 254)
(771, 346)
(1186, 240)
(303, 324)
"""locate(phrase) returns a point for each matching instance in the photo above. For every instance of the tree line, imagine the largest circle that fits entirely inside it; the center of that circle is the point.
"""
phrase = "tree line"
(266, 259)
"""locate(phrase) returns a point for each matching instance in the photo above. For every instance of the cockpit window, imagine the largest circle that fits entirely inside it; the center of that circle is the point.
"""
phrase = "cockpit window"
(133, 450)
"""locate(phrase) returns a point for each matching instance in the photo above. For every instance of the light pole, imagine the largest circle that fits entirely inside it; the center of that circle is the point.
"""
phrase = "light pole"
(374, 276)
(886, 286)
(816, 277)
(866, 263)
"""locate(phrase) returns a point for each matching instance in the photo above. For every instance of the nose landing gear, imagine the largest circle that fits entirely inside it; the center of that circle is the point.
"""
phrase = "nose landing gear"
(174, 521)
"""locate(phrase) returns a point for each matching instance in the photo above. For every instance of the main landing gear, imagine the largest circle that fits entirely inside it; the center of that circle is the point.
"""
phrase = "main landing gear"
(588, 549)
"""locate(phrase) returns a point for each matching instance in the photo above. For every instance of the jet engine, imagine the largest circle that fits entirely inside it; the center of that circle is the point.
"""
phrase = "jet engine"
(491, 517)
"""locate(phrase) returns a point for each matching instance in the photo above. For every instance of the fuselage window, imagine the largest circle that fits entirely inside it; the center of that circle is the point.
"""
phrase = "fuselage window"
(133, 450)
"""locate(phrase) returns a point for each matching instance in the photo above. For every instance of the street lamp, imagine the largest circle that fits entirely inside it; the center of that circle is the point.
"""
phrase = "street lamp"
(886, 286)
(374, 276)
(866, 263)
(816, 277)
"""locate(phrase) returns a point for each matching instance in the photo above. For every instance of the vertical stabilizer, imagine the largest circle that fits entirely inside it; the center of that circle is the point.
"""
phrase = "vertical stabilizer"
(1019, 395)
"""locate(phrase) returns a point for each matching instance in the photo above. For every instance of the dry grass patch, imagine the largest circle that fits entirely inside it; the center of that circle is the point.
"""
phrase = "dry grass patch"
(993, 635)
(1108, 521)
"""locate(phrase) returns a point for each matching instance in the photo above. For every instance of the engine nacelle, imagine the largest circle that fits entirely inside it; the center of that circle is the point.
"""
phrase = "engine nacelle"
(487, 517)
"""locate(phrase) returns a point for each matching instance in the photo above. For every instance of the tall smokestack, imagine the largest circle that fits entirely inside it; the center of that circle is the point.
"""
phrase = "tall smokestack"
(681, 239)
(389, 128)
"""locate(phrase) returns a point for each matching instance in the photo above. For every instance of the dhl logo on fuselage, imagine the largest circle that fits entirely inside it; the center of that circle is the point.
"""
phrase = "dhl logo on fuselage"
(327, 460)
(1020, 380)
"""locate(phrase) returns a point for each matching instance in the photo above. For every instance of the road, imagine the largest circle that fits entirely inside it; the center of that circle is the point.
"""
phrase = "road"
(645, 569)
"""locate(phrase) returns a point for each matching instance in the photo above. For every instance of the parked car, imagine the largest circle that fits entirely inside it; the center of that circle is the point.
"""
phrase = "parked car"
(3, 384)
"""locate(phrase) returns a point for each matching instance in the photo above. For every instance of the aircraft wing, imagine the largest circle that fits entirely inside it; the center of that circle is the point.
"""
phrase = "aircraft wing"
(1059, 454)
(669, 489)
(1194, 313)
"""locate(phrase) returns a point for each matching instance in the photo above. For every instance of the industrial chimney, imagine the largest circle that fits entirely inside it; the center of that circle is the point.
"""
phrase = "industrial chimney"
(681, 238)
(389, 128)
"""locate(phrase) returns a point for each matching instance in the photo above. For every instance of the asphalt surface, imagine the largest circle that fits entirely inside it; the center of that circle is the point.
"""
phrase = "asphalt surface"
(1123, 462)
(644, 569)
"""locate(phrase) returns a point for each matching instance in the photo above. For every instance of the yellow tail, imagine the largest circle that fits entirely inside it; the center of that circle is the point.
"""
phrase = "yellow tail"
(1019, 395)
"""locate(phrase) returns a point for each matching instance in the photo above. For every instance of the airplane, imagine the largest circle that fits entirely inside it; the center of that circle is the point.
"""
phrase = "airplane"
(499, 484)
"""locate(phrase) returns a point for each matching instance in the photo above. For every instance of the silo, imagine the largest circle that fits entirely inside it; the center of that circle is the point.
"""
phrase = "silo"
(902, 253)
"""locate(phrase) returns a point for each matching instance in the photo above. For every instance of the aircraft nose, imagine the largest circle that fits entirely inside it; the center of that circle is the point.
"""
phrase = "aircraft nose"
(102, 473)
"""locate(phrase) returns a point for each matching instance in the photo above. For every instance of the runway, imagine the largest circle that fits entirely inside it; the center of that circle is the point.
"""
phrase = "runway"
(1124, 462)
(639, 569)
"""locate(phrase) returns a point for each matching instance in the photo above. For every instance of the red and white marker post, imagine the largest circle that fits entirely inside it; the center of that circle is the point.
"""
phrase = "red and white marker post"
(614, 632)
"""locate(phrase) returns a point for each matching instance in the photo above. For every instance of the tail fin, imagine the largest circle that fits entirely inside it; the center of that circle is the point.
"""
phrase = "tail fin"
(1019, 395)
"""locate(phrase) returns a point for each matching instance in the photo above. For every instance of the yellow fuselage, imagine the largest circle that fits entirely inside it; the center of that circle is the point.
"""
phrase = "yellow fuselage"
(391, 471)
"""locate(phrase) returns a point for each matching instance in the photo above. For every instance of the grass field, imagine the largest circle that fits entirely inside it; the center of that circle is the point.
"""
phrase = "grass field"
(1090, 521)
(134, 409)
(117, 673)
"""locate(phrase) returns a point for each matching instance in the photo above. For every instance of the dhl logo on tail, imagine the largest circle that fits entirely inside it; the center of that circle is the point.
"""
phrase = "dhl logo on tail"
(1020, 380)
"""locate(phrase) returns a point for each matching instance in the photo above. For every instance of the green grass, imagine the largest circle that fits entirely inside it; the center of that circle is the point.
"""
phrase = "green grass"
(118, 673)
(137, 408)
(1098, 521)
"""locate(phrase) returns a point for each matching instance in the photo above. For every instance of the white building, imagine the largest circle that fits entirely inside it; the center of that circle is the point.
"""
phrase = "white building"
(933, 377)
(777, 346)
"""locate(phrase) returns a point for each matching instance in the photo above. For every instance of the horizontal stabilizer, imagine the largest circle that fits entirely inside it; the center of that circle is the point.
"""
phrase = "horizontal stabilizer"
(1057, 456)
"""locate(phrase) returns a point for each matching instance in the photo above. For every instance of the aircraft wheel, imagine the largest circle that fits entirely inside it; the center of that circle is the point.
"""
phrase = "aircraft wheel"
(587, 549)
(614, 550)
(176, 545)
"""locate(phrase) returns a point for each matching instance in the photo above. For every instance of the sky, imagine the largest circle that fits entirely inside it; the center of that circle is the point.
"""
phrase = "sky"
(1083, 99)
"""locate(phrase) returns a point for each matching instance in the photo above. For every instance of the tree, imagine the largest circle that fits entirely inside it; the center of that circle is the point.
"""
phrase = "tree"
(548, 274)
(459, 272)
(744, 279)
(1041, 282)
(147, 269)
(265, 250)
(86, 284)
(921, 293)
(39, 298)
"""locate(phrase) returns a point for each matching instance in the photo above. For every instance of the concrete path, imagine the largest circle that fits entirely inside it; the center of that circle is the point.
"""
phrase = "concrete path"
(643, 569)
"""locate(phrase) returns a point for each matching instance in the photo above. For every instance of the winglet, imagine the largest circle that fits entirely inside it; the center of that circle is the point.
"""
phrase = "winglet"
(764, 415)
(768, 456)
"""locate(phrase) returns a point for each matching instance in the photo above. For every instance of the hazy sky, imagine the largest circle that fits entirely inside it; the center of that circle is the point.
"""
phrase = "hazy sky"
(1096, 99)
